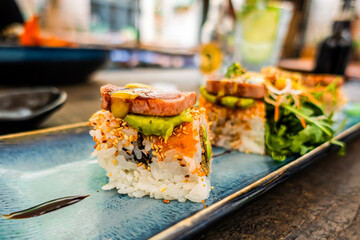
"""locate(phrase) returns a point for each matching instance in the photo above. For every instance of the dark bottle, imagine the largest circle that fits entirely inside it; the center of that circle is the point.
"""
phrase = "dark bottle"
(334, 52)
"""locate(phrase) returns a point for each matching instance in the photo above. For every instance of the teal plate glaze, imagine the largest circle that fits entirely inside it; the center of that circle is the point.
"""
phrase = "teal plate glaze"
(39, 166)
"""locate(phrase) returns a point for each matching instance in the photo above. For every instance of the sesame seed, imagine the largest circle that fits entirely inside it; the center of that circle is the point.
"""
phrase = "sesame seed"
(162, 190)
(116, 153)
(98, 147)
(115, 162)
(110, 174)
(187, 176)
(144, 166)
(139, 164)
(148, 168)
(212, 187)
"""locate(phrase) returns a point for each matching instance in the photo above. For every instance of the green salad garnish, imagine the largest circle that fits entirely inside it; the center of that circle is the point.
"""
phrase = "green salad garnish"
(288, 136)
(234, 70)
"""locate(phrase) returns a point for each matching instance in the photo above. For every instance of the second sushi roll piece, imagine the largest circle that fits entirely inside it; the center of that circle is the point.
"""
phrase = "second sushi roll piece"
(153, 142)
(236, 110)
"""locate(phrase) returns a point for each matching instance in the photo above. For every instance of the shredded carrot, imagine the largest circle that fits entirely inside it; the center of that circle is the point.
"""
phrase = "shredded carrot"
(317, 89)
(302, 121)
(277, 106)
(311, 97)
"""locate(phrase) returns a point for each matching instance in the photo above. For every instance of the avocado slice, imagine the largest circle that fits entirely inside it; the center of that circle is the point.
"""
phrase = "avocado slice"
(245, 102)
(211, 98)
(206, 146)
(155, 125)
(227, 101)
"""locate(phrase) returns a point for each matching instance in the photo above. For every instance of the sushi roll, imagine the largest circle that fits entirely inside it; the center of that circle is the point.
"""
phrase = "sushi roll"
(236, 110)
(153, 142)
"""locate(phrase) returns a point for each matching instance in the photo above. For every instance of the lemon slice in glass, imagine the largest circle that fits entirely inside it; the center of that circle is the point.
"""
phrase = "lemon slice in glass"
(259, 28)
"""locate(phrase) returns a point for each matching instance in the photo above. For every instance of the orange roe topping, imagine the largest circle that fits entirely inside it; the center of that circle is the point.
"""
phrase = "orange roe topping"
(199, 172)
(182, 140)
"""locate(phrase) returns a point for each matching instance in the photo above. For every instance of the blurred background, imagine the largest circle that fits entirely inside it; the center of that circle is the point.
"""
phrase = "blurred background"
(79, 45)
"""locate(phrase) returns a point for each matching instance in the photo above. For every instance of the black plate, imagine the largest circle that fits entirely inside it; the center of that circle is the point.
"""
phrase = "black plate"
(26, 108)
(47, 66)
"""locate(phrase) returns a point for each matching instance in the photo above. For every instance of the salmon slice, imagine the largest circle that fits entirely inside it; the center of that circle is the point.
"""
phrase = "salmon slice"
(151, 101)
(236, 88)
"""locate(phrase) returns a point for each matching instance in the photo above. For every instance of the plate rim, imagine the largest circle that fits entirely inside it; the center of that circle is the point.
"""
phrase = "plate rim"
(44, 130)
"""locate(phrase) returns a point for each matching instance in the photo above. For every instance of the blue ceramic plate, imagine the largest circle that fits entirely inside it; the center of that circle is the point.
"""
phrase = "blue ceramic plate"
(43, 165)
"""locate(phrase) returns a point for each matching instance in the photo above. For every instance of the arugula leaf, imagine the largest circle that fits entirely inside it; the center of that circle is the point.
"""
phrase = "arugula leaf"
(287, 137)
(340, 144)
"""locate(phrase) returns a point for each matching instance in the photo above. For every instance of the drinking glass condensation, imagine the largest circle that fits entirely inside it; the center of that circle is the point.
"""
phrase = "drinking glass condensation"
(259, 35)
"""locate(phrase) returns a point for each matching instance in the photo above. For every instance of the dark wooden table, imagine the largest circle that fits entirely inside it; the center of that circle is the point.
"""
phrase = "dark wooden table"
(320, 202)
